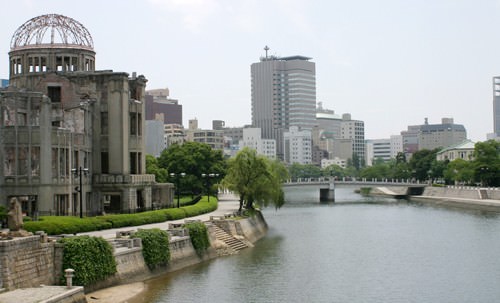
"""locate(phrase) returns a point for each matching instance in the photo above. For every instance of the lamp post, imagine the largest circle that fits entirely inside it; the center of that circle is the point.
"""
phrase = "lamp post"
(177, 177)
(208, 176)
(79, 172)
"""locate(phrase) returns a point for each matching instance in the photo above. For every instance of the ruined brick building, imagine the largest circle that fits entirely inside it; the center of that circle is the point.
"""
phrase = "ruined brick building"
(63, 124)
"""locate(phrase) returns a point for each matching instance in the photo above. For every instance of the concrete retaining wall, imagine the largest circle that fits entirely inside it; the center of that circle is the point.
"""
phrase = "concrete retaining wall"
(450, 192)
(28, 262)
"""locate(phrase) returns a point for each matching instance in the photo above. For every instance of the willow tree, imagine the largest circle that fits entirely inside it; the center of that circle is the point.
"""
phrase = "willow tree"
(256, 179)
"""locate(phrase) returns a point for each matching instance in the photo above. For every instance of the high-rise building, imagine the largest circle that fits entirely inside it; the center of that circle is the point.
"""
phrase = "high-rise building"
(355, 131)
(297, 146)
(283, 95)
(496, 107)
(252, 138)
(158, 104)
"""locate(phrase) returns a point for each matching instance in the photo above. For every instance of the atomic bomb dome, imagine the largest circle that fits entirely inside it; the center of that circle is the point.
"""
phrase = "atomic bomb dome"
(51, 30)
(51, 43)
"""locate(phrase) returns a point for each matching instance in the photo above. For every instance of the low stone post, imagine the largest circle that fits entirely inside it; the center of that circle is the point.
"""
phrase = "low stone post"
(69, 274)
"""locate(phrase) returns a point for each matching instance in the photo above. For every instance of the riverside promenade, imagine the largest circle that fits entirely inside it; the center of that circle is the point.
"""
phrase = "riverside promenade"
(228, 203)
(130, 293)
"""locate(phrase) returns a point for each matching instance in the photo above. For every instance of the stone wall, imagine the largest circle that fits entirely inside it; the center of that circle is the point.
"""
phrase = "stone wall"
(27, 262)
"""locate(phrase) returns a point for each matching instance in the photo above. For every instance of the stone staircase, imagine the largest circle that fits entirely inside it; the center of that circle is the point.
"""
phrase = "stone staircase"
(231, 241)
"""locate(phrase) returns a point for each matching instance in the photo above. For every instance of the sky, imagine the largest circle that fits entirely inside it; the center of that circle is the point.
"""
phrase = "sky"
(389, 63)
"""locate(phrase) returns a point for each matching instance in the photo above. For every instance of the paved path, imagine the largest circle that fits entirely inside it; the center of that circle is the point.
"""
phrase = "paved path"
(228, 203)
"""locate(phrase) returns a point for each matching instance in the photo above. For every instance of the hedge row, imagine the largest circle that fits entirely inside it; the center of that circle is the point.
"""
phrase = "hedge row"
(57, 225)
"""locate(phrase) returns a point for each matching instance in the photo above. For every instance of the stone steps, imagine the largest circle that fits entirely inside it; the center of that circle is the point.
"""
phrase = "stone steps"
(231, 241)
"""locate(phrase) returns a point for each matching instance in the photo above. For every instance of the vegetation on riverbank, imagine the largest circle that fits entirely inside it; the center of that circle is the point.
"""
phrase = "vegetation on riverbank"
(155, 246)
(57, 225)
(199, 236)
(90, 257)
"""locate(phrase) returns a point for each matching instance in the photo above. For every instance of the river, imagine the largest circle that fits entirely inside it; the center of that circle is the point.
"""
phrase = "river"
(355, 250)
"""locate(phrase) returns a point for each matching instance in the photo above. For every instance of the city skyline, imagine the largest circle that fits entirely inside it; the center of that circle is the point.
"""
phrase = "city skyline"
(389, 64)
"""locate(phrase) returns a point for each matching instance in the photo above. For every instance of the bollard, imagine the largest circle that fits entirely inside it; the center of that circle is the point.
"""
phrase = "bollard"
(69, 273)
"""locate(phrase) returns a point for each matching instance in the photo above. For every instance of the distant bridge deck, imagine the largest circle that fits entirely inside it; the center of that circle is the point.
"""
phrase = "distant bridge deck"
(326, 182)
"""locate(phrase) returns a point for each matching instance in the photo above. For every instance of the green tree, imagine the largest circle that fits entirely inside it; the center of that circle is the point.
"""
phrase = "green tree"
(459, 171)
(333, 171)
(421, 163)
(377, 171)
(487, 162)
(161, 174)
(193, 159)
(297, 170)
(255, 178)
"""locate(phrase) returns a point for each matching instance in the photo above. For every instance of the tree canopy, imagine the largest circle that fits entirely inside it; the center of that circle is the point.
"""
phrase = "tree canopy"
(256, 179)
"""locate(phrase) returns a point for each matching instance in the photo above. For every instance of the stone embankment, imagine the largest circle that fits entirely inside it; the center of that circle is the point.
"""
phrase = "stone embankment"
(43, 259)
(456, 196)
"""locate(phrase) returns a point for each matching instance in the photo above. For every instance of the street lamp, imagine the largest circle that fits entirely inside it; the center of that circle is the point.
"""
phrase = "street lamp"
(79, 172)
(208, 176)
(177, 177)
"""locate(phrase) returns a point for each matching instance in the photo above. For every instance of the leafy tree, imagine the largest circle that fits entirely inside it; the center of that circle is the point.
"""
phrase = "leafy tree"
(255, 178)
(487, 162)
(161, 174)
(459, 170)
(193, 159)
(421, 163)
(333, 171)
(377, 171)
(297, 170)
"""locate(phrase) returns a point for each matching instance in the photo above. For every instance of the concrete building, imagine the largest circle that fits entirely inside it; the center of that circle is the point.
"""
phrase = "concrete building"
(354, 130)
(463, 150)
(158, 102)
(283, 95)
(441, 135)
(385, 149)
(214, 138)
(431, 136)
(335, 161)
(72, 137)
(252, 138)
(297, 146)
(496, 107)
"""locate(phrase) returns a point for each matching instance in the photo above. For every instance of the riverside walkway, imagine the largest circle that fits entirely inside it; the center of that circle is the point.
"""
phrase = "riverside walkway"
(228, 203)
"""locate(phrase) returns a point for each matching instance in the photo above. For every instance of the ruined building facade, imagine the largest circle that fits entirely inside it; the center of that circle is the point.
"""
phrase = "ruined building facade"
(61, 120)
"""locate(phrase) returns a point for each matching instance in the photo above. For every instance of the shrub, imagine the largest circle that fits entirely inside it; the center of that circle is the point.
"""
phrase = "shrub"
(91, 258)
(199, 236)
(155, 246)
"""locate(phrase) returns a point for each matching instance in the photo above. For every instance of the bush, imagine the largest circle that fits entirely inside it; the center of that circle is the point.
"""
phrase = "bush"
(91, 258)
(199, 236)
(155, 246)
(57, 225)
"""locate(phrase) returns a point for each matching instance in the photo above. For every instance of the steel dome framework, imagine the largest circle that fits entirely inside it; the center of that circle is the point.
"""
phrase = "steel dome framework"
(51, 29)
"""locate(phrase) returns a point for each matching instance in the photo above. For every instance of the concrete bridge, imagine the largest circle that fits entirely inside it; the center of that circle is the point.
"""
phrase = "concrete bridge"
(326, 186)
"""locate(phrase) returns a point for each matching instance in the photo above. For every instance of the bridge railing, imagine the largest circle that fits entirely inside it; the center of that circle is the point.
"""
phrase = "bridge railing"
(354, 180)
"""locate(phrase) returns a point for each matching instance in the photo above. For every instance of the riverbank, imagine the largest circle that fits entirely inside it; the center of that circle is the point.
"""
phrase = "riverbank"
(245, 230)
(487, 199)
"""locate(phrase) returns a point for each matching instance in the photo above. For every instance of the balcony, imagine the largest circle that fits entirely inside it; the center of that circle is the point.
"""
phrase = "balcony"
(124, 179)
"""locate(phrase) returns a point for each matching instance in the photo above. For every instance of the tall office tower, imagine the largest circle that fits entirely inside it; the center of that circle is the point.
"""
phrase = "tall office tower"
(496, 106)
(283, 95)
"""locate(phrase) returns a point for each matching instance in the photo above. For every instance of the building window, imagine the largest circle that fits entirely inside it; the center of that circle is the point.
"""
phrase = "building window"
(133, 123)
(104, 163)
(54, 93)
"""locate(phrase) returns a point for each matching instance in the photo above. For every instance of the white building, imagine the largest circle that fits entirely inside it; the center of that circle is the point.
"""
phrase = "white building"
(252, 138)
(335, 161)
(297, 146)
(463, 150)
(384, 149)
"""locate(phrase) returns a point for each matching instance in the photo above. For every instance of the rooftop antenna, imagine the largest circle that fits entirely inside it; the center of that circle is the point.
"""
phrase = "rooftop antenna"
(266, 48)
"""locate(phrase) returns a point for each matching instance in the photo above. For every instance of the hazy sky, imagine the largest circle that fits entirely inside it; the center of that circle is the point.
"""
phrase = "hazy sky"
(389, 63)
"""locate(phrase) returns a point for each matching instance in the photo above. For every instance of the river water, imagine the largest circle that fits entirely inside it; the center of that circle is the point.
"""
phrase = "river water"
(355, 250)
